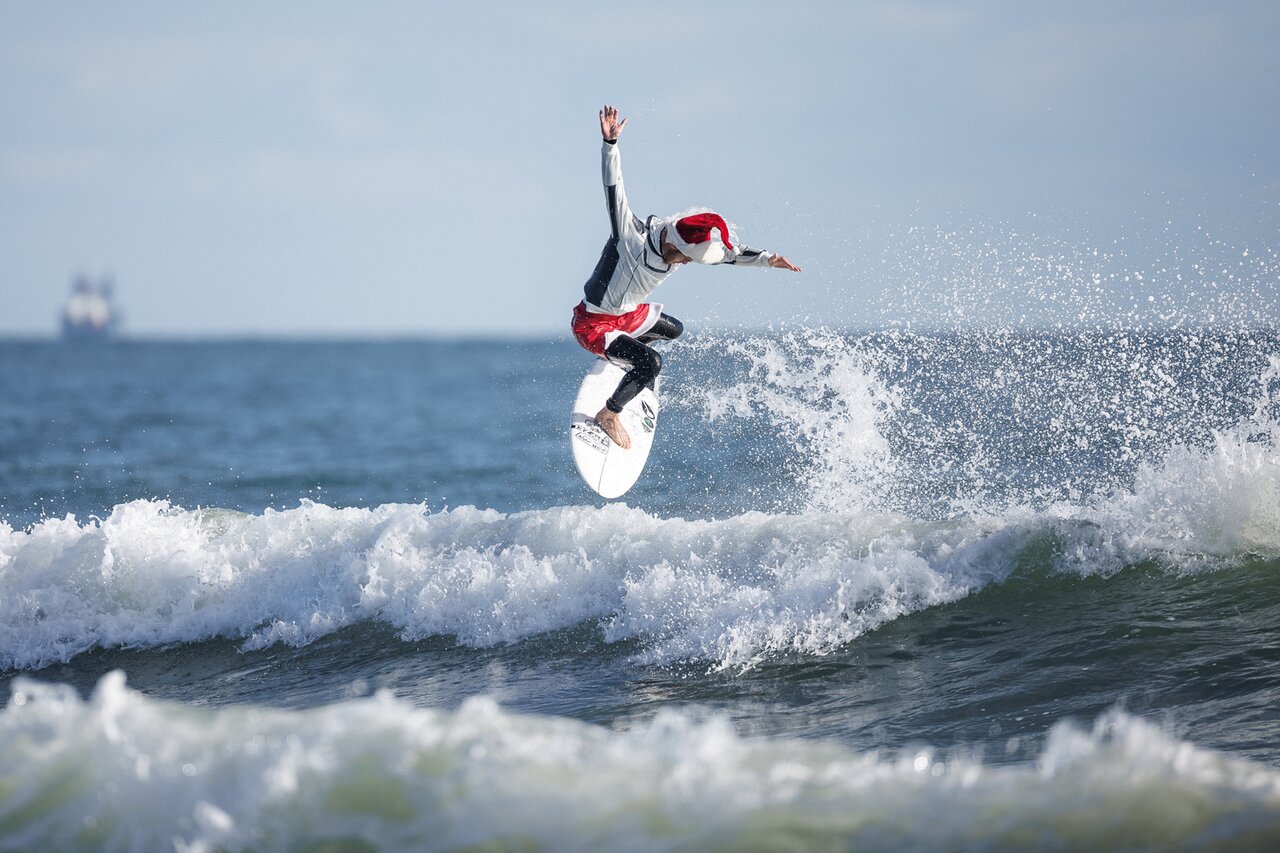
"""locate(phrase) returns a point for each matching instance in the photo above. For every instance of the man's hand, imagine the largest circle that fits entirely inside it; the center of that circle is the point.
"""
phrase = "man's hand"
(781, 263)
(610, 127)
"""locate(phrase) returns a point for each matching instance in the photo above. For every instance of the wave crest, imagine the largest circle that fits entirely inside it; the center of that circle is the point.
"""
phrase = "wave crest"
(120, 770)
(731, 592)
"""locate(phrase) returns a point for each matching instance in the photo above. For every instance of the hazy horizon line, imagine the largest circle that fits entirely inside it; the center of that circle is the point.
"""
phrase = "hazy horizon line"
(550, 336)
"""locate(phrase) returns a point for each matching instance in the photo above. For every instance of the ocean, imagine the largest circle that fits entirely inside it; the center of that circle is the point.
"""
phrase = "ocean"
(976, 589)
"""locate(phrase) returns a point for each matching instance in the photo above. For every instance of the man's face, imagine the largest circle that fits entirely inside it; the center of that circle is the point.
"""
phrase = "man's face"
(674, 256)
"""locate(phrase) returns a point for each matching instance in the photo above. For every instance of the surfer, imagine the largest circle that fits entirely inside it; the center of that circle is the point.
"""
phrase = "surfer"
(612, 321)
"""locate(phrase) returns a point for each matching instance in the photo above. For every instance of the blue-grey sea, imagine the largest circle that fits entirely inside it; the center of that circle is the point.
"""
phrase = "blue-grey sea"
(977, 589)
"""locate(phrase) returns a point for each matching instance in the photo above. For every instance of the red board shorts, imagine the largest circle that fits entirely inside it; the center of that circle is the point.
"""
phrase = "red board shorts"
(596, 331)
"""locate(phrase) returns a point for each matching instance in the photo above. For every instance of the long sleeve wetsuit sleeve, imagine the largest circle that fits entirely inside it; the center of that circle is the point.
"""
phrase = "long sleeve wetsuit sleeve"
(745, 256)
(614, 193)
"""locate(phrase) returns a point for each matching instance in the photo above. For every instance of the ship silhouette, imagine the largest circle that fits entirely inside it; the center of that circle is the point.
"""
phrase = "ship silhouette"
(90, 313)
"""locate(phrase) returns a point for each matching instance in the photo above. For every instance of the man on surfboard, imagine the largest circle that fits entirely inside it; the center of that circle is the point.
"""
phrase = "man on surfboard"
(612, 321)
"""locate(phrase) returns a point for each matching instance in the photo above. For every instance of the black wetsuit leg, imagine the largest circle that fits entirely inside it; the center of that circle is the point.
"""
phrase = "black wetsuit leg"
(645, 361)
(645, 364)
(667, 328)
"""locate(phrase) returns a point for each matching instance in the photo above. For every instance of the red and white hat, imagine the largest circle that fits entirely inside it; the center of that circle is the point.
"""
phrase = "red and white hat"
(704, 237)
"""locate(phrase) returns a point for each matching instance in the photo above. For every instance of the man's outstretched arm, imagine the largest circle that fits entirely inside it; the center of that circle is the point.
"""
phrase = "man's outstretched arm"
(614, 193)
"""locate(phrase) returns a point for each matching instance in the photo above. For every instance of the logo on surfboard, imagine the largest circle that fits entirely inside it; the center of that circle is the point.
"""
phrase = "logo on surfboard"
(592, 435)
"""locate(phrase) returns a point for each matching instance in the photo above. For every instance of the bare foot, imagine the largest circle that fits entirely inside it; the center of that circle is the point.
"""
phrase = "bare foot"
(612, 426)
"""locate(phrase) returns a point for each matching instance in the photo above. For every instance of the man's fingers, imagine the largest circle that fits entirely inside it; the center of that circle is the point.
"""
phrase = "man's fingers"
(609, 124)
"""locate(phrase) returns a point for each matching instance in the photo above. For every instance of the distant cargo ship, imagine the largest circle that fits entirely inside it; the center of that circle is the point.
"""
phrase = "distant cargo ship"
(90, 314)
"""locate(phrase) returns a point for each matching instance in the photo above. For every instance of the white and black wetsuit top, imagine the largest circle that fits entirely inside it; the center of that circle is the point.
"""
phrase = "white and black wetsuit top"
(631, 265)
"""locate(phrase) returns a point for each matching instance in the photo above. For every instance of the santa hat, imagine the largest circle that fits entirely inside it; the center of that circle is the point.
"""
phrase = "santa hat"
(703, 237)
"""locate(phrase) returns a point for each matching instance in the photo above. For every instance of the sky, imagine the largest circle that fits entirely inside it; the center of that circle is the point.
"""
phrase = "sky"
(358, 169)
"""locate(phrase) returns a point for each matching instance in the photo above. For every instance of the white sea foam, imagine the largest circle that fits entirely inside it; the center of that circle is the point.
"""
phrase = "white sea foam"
(952, 425)
(823, 392)
(122, 771)
(729, 592)
(1202, 505)
(1169, 474)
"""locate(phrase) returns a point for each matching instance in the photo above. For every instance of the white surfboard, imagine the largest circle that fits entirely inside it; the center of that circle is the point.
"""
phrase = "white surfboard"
(605, 466)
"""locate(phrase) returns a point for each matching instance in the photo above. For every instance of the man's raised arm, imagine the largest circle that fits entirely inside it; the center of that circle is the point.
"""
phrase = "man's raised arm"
(614, 194)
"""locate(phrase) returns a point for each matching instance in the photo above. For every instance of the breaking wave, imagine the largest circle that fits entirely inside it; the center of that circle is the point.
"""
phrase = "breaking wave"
(727, 591)
(120, 770)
